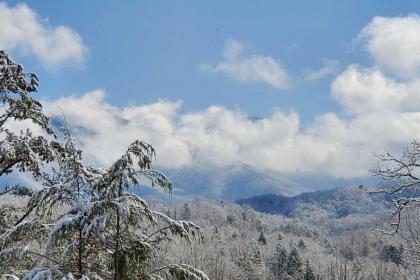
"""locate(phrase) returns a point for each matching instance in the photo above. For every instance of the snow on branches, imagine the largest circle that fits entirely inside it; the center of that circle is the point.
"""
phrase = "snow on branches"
(84, 223)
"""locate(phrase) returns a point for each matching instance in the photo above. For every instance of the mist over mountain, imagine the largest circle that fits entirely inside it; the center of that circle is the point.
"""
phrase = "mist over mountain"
(243, 181)
(337, 203)
(230, 184)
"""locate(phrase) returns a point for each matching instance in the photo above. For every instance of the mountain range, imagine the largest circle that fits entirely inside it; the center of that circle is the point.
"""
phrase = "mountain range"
(338, 203)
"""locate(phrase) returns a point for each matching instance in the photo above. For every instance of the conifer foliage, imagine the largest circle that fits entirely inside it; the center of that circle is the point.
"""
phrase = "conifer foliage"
(84, 223)
(20, 150)
(309, 273)
(288, 266)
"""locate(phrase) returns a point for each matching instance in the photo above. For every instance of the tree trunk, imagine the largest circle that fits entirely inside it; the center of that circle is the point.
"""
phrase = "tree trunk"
(80, 245)
(117, 239)
(80, 264)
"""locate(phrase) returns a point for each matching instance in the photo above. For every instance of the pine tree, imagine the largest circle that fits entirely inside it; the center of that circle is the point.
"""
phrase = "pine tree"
(21, 150)
(130, 219)
(301, 244)
(278, 263)
(186, 212)
(248, 261)
(262, 239)
(294, 263)
(84, 223)
(74, 183)
(254, 262)
(309, 273)
(107, 233)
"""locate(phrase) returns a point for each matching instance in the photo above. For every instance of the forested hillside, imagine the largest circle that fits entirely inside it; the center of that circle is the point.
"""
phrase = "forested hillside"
(337, 203)
(244, 244)
(241, 243)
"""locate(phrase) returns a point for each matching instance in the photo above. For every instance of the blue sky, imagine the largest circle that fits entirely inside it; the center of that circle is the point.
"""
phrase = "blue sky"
(332, 81)
(140, 51)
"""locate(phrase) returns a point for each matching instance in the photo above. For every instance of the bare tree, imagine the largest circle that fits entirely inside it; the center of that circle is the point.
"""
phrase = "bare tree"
(399, 180)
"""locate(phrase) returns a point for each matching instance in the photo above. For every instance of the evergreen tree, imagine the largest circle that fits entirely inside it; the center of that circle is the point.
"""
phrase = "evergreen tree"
(186, 212)
(278, 263)
(248, 260)
(254, 263)
(68, 240)
(21, 150)
(294, 263)
(107, 233)
(309, 273)
(84, 223)
(393, 254)
(130, 219)
(301, 244)
(262, 239)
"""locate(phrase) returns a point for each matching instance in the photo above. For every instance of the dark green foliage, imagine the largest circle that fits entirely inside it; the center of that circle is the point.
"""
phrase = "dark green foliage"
(294, 263)
(15, 89)
(18, 190)
(278, 262)
(186, 212)
(301, 244)
(22, 150)
(391, 253)
(309, 273)
(262, 238)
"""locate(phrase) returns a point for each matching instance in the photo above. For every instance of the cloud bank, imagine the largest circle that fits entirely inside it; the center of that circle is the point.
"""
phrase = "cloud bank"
(221, 138)
(23, 29)
(379, 111)
(248, 69)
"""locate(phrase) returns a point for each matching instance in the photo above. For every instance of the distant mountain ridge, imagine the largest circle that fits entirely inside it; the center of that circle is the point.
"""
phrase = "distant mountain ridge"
(339, 202)
(230, 184)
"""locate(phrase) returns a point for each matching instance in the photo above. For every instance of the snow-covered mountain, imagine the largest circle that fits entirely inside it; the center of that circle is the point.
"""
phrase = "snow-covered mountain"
(337, 203)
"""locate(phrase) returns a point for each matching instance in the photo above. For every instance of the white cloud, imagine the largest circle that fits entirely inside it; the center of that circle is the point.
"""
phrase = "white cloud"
(106, 130)
(394, 44)
(329, 68)
(22, 28)
(384, 115)
(366, 91)
(221, 138)
(249, 69)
